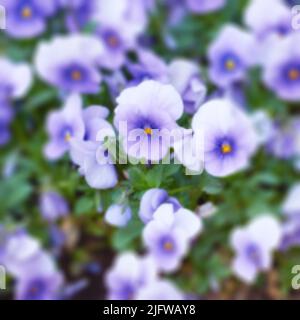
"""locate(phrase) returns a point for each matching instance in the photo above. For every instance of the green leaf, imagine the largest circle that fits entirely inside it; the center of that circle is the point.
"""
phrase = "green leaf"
(137, 178)
(124, 237)
(14, 191)
(84, 205)
(41, 98)
(154, 176)
(212, 185)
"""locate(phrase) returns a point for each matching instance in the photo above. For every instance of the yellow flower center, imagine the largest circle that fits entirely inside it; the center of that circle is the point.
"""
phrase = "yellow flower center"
(294, 74)
(226, 148)
(68, 137)
(168, 246)
(26, 12)
(148, 131)
(76, 75)
(230, 64)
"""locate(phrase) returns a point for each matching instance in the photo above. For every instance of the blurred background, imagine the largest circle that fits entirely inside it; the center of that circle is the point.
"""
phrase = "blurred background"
(50, 202)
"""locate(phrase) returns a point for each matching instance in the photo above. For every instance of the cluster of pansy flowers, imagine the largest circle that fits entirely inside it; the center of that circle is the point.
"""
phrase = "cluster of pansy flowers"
(151, 96)
(35, 273)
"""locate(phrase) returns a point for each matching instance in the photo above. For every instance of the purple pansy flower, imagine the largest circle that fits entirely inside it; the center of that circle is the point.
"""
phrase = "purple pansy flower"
(291, 206)
(95, 164)
(116, 46)
(70, 63)
(116, 82)
(168, 235)
(92, 154)
(269, 29)
(263, 24)
(119, 23)
(229, 137)
(78, 13)
(291, 227)
(204, 6)
(128, 275)
(145, 117)
(185, 77)
(15, 81)
(263, 124)
(230, 55)
(94, 118)
(282, 68)
(152, 199)
(63, 126)
(53, 206)
(176, 11)
(148, 67)
(118, 215)
(41, 286)
(28, 18)
(118, 13)
(254, 245)
(160, 290)
(18, 248)
(290, 233)
(34, 269)
(39, 279)
(283, 142)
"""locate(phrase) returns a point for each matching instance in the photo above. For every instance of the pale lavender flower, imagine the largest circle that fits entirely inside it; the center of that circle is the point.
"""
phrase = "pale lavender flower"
(116, 46)
(145, 117)
(229, 137)
(290, 233)
(185, 77)
(78, 13)
(118, 13)
(116, 82)
(53, 206)
(205, 6)
(39, 285)
(92, 154)
(263, 124)
(94, 120)
(254, 245)
(15, 79)
(70, 63)
(118, 215)
(28, 18)
(33, 269)
(160, 290)
(17, 249)
(230, 55)
(284, 140)
(152, 199)
(15, 82)
(169, 234)
(128, 275)
(63, 126)
(291, 205)
(95, 164)
(119, 23)
(148, 67)
(262, 24)
(176, 11)
(3, 237)
(282, 68)
(291, 226)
